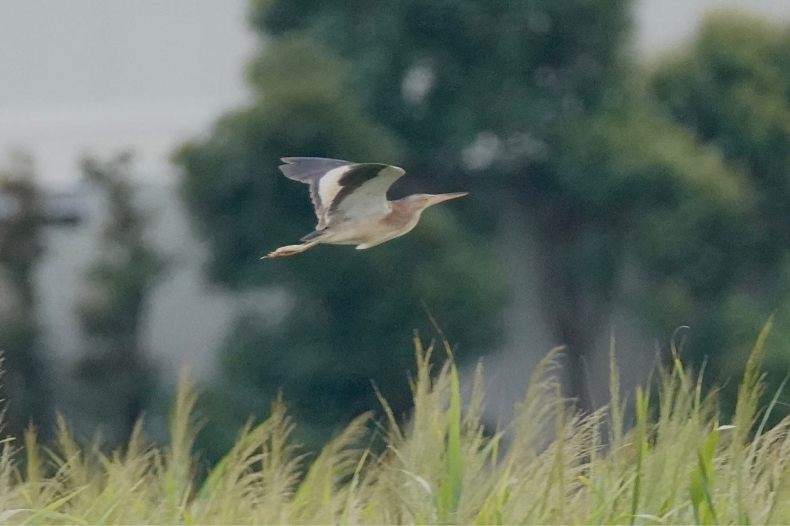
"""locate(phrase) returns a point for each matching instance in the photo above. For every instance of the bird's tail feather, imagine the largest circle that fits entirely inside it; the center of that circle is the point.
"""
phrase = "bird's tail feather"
(312, 235)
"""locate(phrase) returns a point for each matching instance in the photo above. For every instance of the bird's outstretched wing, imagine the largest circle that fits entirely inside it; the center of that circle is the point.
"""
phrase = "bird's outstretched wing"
(340, 190)
(310, 170)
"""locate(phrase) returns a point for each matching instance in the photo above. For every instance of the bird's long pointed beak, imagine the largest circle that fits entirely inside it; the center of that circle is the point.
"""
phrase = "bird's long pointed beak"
(440, 198)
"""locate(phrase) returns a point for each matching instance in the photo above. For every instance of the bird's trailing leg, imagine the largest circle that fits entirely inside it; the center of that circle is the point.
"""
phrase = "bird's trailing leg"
(290, 250)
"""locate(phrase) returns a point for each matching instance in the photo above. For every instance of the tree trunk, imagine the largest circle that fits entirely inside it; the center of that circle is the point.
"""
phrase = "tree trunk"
(574, 308)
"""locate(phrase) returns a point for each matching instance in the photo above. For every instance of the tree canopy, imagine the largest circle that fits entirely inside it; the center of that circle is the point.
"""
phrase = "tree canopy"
(731, 88)
(117, 374)
(344, 318)
(24, 393)
(537, 101)
(541, 100)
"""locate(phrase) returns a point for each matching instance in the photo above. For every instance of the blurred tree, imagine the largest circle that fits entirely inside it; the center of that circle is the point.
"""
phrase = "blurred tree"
(446, 75)
(340, 318)
(535, 100)
(114, 367)
(731, 88)
(23, 386)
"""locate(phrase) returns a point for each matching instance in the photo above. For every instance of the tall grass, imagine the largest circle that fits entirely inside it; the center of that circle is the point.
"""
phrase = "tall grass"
(673, 464)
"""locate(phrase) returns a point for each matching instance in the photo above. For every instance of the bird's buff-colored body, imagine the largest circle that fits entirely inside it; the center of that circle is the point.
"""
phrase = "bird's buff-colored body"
(351, 204)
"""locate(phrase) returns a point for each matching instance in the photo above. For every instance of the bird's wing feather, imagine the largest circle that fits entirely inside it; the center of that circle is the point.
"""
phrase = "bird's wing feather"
(309, 169)
(362, 191)
(343, 191)
(312, 171)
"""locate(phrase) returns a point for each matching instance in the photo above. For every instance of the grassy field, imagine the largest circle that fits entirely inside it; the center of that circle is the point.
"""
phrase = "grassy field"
(673, 464)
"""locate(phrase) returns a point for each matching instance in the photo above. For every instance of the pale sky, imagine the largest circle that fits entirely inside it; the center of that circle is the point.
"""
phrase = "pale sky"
(101, 75)
(662, 24)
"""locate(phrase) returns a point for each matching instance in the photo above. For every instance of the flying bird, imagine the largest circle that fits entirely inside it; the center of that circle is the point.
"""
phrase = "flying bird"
(350, 201)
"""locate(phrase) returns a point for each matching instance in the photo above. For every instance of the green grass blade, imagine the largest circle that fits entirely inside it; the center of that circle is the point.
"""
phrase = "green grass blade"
(450, 490)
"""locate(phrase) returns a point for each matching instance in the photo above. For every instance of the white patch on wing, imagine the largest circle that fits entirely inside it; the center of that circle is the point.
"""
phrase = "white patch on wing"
(328, 186)
(371, 197)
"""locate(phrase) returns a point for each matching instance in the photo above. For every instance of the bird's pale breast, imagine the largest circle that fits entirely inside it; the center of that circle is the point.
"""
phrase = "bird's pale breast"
(372, 230)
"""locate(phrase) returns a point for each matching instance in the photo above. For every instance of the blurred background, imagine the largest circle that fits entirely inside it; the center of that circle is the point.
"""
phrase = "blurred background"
(628, 163)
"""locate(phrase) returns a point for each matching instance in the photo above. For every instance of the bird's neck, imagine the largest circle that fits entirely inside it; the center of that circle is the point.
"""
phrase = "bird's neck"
(403, 214)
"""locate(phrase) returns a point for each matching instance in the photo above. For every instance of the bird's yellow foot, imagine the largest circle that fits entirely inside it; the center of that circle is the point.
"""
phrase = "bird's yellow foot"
(289, 250)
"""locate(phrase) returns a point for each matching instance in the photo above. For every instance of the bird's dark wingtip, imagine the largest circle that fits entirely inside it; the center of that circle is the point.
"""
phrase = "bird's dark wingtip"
(309, 169)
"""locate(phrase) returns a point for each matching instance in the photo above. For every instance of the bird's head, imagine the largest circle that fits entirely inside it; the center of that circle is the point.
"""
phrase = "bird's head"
(423, 201)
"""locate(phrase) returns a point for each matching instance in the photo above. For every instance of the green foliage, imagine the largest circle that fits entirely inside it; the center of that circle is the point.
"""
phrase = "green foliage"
(540, 100)
(436, 74)
(730, 89)
(25, 383)
(483, 92)
(701, 485)
(232, 186)
(672, 201)
(114, 367)
(335, 309)
(677, 465)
